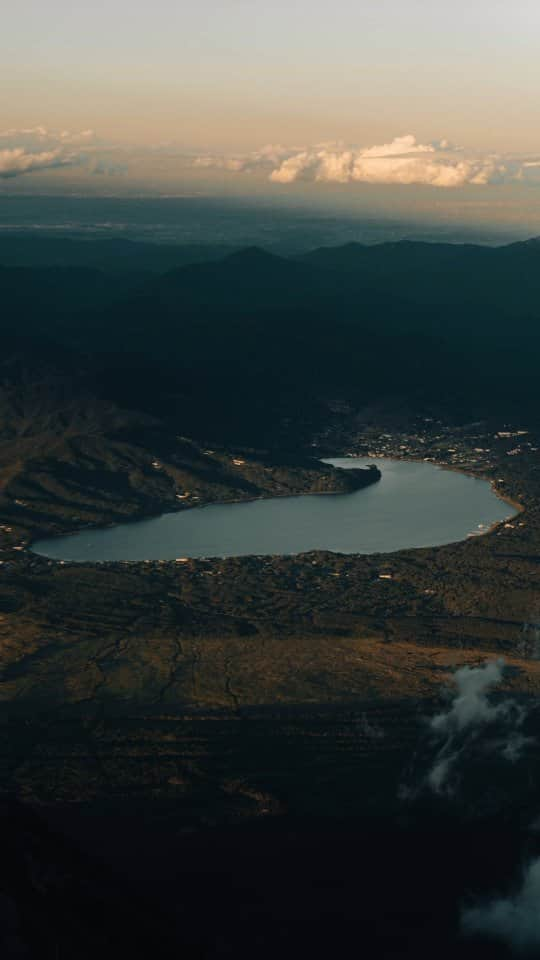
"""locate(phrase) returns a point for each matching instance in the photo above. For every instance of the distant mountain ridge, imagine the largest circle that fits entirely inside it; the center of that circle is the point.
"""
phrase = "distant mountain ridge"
(117, 254)
(114, 255)
(237, 345)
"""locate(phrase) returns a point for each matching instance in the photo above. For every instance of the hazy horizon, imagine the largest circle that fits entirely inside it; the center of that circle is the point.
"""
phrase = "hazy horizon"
(233, 222)
(408, 110)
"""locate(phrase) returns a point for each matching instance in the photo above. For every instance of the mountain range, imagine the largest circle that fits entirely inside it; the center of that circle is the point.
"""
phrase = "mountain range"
(232, 346)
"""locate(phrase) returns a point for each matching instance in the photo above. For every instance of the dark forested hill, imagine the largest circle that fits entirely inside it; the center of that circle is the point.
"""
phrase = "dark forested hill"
(236, 346)
(505, 278)
(112, 256)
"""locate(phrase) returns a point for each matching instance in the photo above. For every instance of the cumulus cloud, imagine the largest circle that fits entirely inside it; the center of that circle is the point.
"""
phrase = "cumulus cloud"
(29, 149)
(515, 919)
(402, 161)
(18, 160)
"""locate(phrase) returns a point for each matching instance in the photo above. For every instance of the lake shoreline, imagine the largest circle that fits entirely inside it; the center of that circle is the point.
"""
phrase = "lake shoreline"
(518, 507)
(301, 550)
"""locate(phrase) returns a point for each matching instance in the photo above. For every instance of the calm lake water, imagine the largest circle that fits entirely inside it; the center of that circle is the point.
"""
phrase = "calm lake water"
(413, 505)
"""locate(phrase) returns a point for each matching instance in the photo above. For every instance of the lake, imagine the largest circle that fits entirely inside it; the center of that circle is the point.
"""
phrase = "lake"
(413, 505)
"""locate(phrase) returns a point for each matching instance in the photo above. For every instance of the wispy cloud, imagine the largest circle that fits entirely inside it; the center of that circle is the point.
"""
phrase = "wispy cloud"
(473, 721)
(402, 161)
(38, 137)
(477, 730)
(267, 159)
(514, 919)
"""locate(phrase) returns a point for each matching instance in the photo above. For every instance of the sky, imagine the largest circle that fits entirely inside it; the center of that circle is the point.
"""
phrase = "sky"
(401, 104)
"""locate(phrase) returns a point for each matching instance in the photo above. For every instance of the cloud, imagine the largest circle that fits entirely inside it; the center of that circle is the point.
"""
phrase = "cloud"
(471, 705)
(399, 147)
(265, 159)
(402, 161)
(17, 161)
(515, 919)
(473, 725)
(83, 137)
(105, 166)
(41, 138)
(29, 149)
(235, 164)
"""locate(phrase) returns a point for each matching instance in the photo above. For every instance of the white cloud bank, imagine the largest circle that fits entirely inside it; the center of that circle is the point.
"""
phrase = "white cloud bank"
(403, 161)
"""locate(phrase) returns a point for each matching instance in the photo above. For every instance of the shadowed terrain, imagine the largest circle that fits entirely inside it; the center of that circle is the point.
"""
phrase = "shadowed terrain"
(241, 708)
